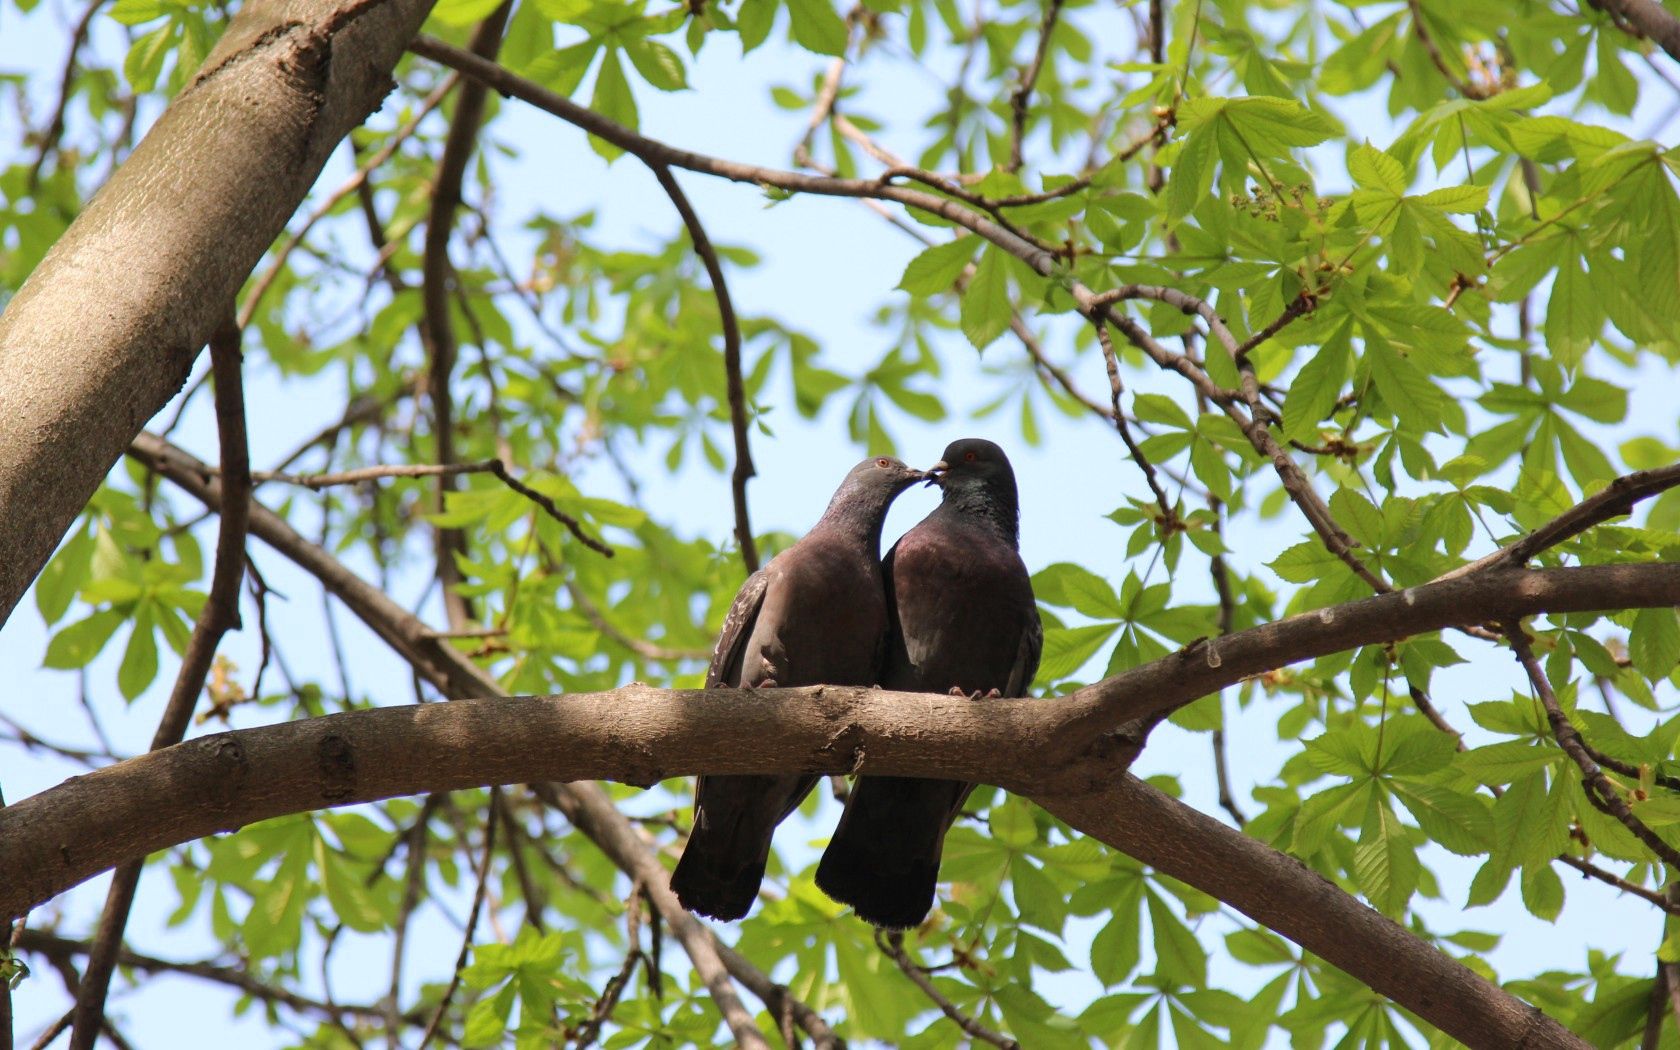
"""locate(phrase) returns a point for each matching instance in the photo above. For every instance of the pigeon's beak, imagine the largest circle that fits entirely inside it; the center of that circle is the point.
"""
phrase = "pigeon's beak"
(936, 474)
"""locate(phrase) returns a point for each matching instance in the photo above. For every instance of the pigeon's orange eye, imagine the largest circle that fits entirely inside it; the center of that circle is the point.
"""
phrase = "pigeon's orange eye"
(969, 456)
(883, 461)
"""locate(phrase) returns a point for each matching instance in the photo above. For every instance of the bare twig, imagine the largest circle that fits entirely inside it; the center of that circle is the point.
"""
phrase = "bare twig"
(414, 881)
(427, 470)
(590, 1030)
(49, 945)
(892, 944)
(1021, 97)
(1421, 30)
(1169, 517)
(731, 363)
(55, 127)
(219, 615)
(492, 812)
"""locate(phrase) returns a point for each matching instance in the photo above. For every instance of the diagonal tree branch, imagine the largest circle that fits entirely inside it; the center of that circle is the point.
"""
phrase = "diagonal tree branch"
(166, 245)
(1285, 895)
(1650, 18)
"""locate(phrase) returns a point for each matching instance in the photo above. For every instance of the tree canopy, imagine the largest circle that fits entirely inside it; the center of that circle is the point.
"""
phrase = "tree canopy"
(1371, 308)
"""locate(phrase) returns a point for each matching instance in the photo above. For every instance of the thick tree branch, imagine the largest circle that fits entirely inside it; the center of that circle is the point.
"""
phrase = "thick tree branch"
(737, 395)
(219, 615)
(1285, 895)
(164, 247)
(641, 734)
(1650, 18)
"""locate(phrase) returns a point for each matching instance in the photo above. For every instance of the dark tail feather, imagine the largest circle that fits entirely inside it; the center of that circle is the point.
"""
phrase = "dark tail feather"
(723, 863)
(884, 858)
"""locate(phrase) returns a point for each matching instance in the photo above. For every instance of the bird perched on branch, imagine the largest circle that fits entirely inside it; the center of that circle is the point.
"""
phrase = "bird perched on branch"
(963, 621)
(816, 615)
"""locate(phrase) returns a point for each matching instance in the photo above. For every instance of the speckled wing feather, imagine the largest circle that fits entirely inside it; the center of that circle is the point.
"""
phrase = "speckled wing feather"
(725, 668)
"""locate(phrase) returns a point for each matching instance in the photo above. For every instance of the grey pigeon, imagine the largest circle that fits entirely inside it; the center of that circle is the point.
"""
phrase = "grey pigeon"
(816, 615)
(963, 620)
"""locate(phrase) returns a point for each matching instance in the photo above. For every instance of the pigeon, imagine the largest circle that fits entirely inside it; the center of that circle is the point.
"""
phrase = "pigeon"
(815, 615)
(963, 620)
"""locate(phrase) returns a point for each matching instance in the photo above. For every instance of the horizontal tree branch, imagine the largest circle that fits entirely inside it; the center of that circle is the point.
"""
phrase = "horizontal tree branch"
(639, 734)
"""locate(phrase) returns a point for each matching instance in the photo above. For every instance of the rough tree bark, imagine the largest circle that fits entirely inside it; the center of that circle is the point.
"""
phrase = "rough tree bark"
(107, 327)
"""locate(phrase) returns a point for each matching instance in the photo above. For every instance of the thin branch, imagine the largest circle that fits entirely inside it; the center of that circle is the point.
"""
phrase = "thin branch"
(744, 470)
(427, 470)
(437, 331)
(472, 920)
(351, 185)
(1439, 60)
(1169, 517)
(414, 882)
(55, 127)
(219, 615)
(1612, 501)
(52, 946)
(1022, 95)
(1593, 871)
(590, 1030)
(1601, 790)
(892, 944)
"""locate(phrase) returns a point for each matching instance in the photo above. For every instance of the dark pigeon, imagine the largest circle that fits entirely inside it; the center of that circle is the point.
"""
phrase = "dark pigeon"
(816, 615)
(963, 620)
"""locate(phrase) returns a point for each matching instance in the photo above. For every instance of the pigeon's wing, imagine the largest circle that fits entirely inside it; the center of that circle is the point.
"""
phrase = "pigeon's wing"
(1026, 657)
(725, 668)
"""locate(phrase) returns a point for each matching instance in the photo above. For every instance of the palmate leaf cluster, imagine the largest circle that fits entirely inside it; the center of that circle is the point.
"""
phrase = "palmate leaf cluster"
(1475, 252)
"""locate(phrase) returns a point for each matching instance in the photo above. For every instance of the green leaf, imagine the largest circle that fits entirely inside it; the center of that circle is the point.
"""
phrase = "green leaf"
(937, 269)
(1178, 955)
(816, 27)
(1654, 642)
(1542, 891)
(1066, 649)
(1069, 585)
(985, 305)
(140, 659)
(77, 644)
(613, 100)
(753, 22)
(1373, 169)
(657, 64)
(1316, 388)
(1384, 863)
(1461, 823)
